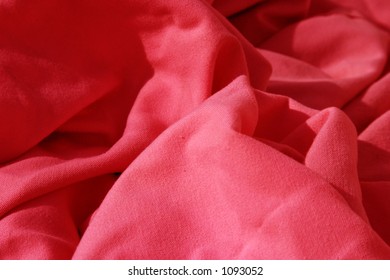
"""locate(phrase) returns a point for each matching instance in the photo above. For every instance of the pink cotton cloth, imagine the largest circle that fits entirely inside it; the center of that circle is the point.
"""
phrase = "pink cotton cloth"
(194, 129)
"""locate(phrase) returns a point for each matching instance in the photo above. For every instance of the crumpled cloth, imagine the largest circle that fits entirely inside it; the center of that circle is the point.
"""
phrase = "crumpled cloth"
(193, 129)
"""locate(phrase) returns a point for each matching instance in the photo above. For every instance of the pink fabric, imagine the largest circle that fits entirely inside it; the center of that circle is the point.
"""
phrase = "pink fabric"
(194, 129)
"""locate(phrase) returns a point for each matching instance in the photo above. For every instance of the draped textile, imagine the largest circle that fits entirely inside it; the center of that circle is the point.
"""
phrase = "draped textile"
(193, 129)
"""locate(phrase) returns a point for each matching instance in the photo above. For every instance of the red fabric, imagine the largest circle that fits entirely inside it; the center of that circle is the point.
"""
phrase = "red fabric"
(194, 129)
